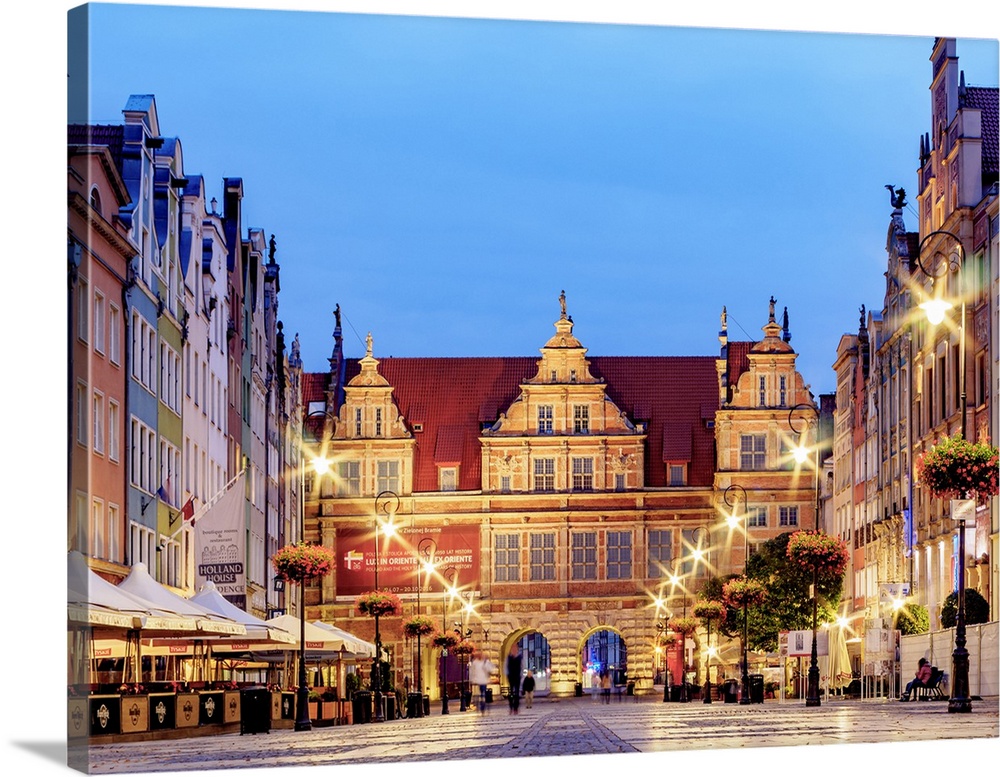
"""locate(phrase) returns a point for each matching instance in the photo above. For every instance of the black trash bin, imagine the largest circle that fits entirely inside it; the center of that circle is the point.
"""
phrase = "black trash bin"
(390, 706)
(756, 688)
(427, 705)
(675, 692)
(255, 711)
(630, 689)
(414, 705)
(489, 695)
(730, 691)
(578, 689)
(361, 706)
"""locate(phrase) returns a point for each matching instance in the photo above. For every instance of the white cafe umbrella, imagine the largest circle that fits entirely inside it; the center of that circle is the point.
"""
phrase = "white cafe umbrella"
(257, 630)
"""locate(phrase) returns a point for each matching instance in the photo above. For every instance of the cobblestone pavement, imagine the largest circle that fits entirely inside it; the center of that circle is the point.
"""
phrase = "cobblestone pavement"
(561, 727)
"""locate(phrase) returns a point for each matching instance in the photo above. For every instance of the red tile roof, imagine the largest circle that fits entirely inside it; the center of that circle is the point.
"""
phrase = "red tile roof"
(448, 397)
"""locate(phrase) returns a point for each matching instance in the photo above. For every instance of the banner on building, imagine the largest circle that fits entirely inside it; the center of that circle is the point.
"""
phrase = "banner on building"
(454, 551)
(220, 542)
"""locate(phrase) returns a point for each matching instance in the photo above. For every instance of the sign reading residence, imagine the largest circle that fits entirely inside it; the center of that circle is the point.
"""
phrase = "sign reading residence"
(219, 544)
(454, 551)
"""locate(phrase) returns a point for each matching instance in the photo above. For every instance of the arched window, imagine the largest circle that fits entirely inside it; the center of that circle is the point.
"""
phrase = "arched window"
(95, 200)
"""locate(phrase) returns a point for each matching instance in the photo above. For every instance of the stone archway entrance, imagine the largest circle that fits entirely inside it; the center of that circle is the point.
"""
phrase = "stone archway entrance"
(603, 650)
(536, 657)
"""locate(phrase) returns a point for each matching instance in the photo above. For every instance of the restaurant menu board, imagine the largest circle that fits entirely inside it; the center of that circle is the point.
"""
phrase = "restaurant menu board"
(454, 551)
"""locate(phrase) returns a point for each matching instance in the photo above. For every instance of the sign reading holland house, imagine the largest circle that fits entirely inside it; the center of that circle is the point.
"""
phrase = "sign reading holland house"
(219, 543)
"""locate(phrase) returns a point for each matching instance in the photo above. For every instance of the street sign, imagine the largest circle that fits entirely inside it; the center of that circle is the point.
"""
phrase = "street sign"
(963, 509)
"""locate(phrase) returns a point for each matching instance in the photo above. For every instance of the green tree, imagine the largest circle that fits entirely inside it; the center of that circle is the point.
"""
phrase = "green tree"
(913, 619)
(788, 606)
(977, 609)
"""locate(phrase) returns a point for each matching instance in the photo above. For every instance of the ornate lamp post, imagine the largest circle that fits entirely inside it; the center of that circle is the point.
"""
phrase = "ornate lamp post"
(445, 591)
(935, 309)
(709, 611)
(745, 676)
(386, 503)
(425, 551)
(463, 634)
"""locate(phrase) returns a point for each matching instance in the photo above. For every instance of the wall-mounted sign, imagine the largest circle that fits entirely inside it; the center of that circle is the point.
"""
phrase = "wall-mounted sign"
(454, 551)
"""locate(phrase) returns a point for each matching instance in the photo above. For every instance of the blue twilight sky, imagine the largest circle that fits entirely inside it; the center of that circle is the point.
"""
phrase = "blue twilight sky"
(444, 179)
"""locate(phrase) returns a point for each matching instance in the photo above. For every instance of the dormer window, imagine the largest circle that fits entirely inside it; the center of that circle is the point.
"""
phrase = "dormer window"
(448, 477)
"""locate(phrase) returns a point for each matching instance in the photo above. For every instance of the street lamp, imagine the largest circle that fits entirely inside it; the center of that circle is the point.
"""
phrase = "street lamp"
(463, 634)
(321, 466)
(745, 678)
(801, 454)
(661, 629)
(445, 591)
(425, 551)
(935, 309)
(386, 503)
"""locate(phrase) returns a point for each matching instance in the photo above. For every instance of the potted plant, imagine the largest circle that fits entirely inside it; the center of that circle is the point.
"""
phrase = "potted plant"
(816, 550)
(743, 592)
(418, 626)
(958, 469)
(379, 603)
(302, 561)
(444, 639)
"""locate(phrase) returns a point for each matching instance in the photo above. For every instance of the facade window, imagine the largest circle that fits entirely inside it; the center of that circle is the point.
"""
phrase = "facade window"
(545, 419)
(507, 558)
(113, 537)
(83, 322)
(349, 478)
(82, 433)
(583, 556)
(692, 540)
(658, 542)
(788, 515)
(581, 419)
(114, 430)
(762, 391)
(782, 391)
(378, 422)
(677, 475)
(542, 555)
(115, 335)
(357, 422)
(619, 555)
(142, 546)
(583, 474)
(100, 320)
(388, 476)
(449, 478)
(98, 413)
(97, 530)
(545, 474)
(757, 516)
(619, 481)
(752, 449)
(505, 484)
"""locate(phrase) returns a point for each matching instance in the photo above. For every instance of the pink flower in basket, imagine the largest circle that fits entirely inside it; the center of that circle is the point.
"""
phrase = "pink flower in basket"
(710, 610)
(683, 626)
(418, 626)
(378, 603)
(444, 639)
(464, 648)
(302, 561)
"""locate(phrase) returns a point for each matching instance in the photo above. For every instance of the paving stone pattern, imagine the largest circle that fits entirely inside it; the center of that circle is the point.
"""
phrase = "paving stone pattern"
(560, 727)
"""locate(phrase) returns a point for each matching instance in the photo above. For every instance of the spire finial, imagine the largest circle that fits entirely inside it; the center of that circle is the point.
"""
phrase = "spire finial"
(562, 304)
(770, 310)
(368, 345)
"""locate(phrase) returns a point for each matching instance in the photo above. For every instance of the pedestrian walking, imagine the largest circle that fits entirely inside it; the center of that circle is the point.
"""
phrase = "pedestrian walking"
(606, 686)
(528, 686)
(514, 678)
(480, 671)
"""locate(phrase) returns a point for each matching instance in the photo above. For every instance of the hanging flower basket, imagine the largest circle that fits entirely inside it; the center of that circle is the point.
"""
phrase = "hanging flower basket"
(817, 550)
(666, 640)
(710, 610)
(464, 648)
(683, 626)
(379, 603)
(444, 639)
(958, 469)
(742, 592)
(302, 561)
(418, 626)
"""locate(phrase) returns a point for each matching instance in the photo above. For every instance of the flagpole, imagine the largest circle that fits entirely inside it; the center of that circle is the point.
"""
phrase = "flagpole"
(215, 498)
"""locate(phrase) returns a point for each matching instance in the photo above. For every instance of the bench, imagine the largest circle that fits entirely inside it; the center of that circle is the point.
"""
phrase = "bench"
(932, 691)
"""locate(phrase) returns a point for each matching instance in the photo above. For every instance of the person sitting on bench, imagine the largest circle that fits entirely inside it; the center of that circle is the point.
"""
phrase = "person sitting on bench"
(919, 680)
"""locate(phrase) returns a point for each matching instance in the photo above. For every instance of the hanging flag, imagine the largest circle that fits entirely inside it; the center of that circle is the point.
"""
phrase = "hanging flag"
(164, 492)
(187, 511)
(220, 542)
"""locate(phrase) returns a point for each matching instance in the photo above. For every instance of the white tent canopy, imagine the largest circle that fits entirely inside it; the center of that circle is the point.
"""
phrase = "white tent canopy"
(94, 601)
(257, 630)
(140, 583)
(352, 644)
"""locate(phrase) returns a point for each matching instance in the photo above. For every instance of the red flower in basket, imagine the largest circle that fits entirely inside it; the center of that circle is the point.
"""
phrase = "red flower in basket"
(958, 469)
(743, 592)
(302, 561)
(817, 550)
(379, 603)
(445, 639)
(464, 648)
(418, 626)
(683, 626)
(710, 610)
